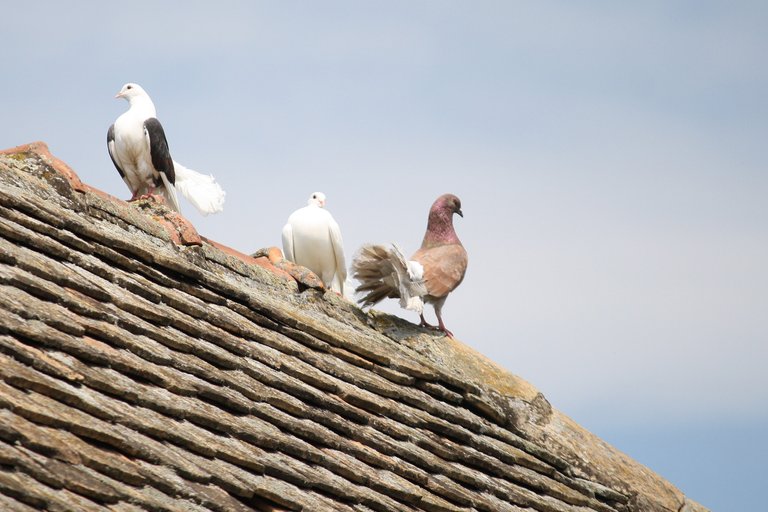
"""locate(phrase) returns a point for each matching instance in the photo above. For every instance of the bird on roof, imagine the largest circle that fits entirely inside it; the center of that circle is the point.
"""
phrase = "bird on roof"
(312, 239)
(433, 272)
(137, 146)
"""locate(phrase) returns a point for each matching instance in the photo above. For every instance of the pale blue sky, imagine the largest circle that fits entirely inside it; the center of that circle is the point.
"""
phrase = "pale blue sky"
(610, 157)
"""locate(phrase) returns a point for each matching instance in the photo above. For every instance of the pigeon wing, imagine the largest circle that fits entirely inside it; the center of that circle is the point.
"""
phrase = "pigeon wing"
(444, 268)
(161, 159)
(111, 149)
(158, 148)
(288, 243)
(338, 251)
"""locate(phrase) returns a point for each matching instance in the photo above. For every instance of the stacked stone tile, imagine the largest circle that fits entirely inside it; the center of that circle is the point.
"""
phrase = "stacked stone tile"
(143, 367)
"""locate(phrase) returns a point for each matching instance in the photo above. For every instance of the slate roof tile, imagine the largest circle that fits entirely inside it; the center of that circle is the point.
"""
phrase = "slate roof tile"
(143, 367)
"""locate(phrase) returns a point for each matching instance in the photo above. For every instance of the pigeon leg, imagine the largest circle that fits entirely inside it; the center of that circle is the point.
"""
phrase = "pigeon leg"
(441, 327)
(424, 323)
(440, 324)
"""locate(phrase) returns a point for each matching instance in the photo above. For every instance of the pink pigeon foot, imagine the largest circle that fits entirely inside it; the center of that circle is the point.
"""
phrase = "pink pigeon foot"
(440, 324)
(150, 194)
(441, 327)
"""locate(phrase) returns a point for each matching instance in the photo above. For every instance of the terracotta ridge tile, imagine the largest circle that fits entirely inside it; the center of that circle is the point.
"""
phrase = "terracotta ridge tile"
(261, 261)
(40, 148)
(179, 229)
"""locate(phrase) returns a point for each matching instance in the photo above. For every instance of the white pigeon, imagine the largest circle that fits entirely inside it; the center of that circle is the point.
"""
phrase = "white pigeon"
(138, 148)
(312, 239)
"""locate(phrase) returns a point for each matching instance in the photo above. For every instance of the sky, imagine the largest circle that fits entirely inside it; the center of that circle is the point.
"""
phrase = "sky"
(610, 158)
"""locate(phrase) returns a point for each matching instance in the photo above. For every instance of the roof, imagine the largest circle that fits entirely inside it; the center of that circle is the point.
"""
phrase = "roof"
(144, 367)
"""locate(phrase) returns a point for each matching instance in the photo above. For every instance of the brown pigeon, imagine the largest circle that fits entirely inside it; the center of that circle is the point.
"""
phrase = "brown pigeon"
(433, 272)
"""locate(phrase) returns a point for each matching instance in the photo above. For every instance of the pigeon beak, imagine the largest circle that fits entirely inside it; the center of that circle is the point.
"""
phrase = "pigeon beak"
(461, 214)
(119, 95)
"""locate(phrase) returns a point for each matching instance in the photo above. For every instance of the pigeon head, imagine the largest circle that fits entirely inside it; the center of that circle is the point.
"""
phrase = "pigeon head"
(317, 199)
(138, 100)
(131, 91)
(440, 222)
(448, 203)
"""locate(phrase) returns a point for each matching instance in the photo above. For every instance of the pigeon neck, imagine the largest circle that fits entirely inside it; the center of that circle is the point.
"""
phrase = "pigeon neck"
(142, 105)
(440, 229)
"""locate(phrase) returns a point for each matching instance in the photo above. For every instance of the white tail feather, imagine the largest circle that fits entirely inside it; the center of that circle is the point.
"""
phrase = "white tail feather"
(199, 189)
(408, 277)
(169, 191)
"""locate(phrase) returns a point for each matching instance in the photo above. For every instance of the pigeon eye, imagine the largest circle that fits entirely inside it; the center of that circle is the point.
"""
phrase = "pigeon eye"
(129, 87)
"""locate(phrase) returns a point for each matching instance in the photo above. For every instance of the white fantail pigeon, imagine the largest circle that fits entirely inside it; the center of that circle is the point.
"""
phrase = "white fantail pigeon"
(434, 271)
(139, 150)
(312, 239)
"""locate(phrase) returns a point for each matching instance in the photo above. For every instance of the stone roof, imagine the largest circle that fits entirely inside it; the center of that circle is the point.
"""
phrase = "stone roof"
(144, 367)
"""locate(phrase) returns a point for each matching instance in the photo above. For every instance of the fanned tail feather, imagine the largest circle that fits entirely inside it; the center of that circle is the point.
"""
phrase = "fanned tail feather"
(384, 272)
(199, 189)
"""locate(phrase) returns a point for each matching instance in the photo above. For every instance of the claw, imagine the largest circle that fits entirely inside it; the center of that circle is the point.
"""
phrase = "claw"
(441, 327)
